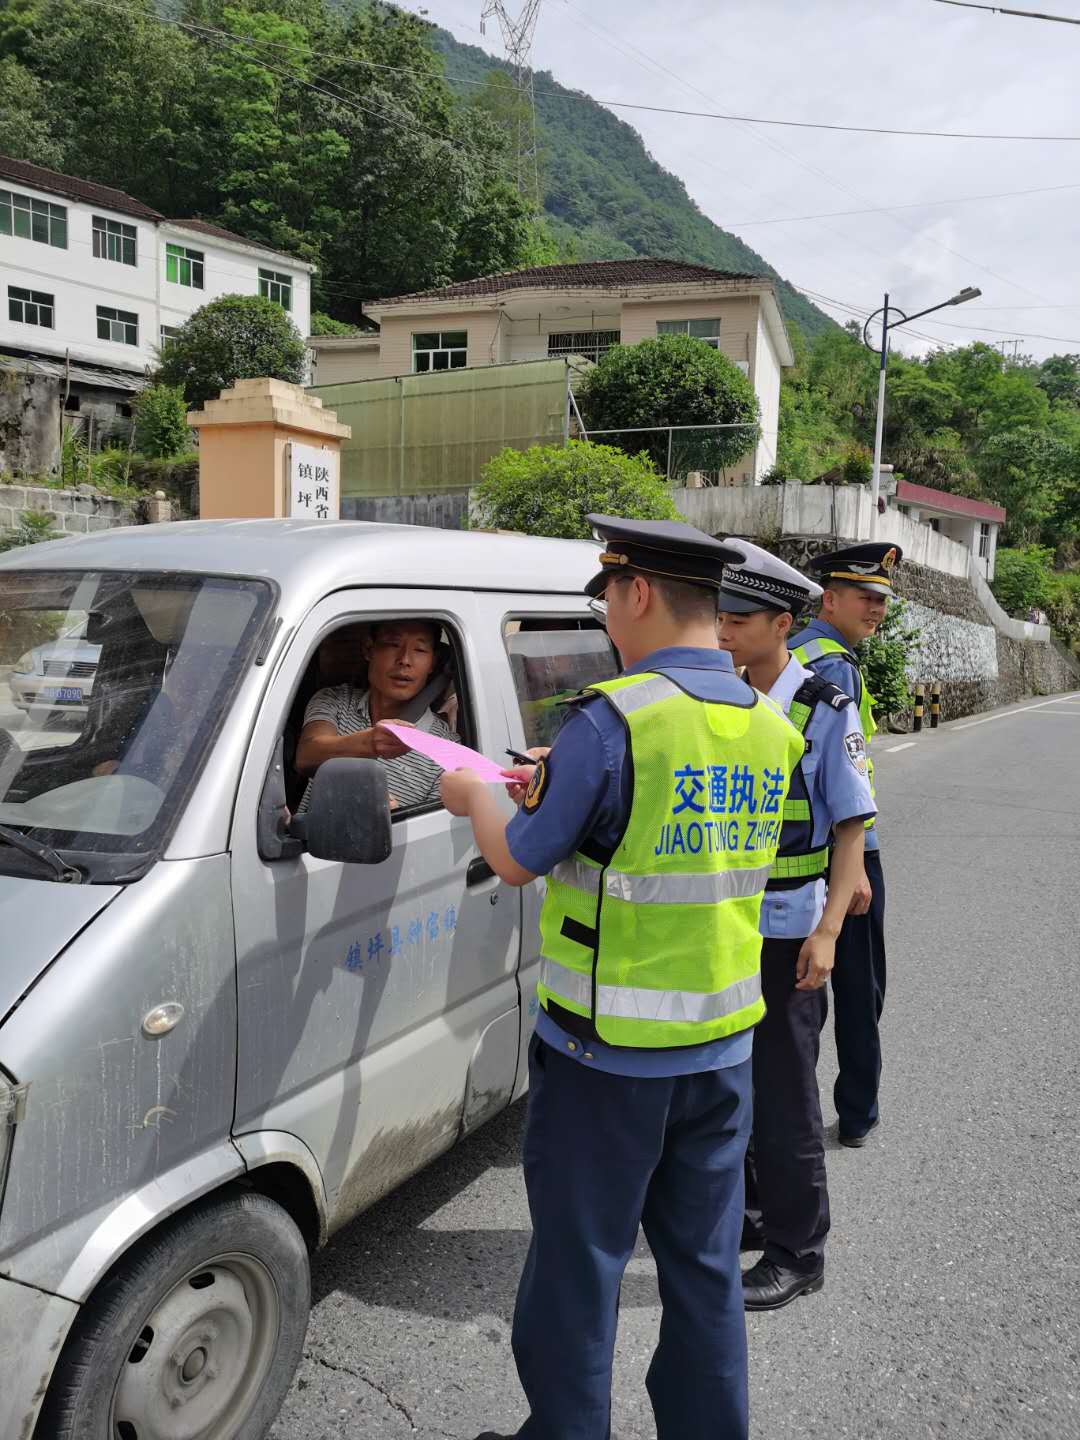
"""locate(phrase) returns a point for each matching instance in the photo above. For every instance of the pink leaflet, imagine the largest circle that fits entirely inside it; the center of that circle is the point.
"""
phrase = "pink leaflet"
(448, 753)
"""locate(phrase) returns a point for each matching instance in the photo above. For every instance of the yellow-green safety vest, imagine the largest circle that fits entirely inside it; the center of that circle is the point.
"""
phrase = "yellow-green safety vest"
(814, 650)
(658, 945)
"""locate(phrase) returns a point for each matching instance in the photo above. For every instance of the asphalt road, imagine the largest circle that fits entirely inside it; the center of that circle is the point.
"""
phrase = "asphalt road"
(952, 1299)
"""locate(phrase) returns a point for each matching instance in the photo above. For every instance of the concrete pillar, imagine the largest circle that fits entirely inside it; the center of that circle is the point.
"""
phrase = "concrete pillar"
(243, 437)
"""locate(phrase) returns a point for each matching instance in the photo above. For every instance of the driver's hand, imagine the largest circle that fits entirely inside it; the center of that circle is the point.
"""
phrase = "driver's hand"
(385, 745)
(106, 767)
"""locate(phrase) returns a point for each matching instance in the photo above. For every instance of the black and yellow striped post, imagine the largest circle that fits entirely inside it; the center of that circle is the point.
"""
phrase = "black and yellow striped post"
(920, 690)
(935, 704)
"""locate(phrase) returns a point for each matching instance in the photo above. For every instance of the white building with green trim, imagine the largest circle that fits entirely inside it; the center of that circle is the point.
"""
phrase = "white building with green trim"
(90, 272)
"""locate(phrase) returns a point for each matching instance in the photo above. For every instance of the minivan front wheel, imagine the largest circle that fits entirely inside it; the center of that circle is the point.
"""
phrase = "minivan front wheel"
(194, 1336)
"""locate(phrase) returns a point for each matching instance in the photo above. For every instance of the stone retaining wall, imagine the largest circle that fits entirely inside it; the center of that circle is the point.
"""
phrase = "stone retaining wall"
(74, 512)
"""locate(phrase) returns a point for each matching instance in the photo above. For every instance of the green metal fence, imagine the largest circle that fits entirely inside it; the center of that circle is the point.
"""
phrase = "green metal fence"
(429, 434)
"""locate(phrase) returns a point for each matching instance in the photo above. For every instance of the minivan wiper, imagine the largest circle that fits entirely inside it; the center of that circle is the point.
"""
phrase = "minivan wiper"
(56, 863)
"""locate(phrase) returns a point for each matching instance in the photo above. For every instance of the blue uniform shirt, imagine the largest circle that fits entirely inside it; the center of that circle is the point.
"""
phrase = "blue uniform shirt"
(839, 672)
(839, 790)
(588, 793)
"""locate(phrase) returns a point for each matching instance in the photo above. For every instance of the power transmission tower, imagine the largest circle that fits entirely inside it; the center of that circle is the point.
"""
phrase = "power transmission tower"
(517, 36)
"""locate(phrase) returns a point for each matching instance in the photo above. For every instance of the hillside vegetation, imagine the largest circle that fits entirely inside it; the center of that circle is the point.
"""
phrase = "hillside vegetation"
(605, 197)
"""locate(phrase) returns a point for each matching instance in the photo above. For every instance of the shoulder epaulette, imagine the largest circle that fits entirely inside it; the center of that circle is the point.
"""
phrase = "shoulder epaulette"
(816, 691)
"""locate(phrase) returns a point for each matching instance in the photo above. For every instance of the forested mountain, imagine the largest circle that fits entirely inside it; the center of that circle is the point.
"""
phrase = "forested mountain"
(605, 197)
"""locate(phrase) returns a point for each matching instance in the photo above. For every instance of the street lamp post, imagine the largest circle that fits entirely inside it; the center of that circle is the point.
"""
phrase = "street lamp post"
(968, 293)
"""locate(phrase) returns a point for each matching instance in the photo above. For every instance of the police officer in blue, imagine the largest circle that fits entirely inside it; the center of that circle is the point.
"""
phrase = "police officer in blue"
(644, 816)
(829, 800)
(858, 582)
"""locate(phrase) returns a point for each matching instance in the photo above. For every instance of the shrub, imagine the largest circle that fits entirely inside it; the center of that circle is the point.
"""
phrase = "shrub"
(33, 527)
(237, 337)
(323, 324)
(883, 660)
(161, 428)
(1021, 579)
(549, 489)
(1063, 605)
(673, 380)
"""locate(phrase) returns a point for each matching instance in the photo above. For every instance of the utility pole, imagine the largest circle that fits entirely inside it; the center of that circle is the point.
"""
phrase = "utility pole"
(968, 293)
(517, 36)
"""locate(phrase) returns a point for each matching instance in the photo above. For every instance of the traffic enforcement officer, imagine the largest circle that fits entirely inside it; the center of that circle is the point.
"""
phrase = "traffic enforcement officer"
(858, 583)
(646, 817)
(829, 797)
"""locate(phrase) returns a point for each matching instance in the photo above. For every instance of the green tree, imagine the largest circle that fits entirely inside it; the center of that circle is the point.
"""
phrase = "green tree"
(673, 380)
(1059, 376)
(236, 337)
(1015, 401)
(161, 428)
(1021, 578)
(25, 131)
(323, 324)
(883, 660)
(17, 22)
(124, 96)
(1017, 469)
(549, 489)
(916, 404)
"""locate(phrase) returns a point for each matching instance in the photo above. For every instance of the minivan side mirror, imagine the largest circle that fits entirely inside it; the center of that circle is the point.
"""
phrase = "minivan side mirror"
(348, 816)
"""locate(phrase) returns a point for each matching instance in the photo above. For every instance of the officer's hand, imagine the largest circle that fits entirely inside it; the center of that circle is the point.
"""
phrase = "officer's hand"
(518, 780)
(523, 773)
(815, 961)
(860, 901)
(457, 788)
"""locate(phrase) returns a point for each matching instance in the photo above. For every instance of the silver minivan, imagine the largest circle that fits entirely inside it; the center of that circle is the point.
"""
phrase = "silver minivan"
(225, 1028)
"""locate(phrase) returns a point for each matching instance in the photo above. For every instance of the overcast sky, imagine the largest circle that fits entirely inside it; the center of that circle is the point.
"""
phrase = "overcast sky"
(911, 64)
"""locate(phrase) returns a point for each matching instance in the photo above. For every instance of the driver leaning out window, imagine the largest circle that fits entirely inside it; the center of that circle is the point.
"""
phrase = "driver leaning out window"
(403, 658)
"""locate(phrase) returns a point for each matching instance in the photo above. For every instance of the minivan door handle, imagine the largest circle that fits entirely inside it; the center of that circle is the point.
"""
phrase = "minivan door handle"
(479, 871)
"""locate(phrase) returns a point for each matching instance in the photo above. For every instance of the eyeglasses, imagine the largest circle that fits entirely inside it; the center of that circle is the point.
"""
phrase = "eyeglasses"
(599, 609)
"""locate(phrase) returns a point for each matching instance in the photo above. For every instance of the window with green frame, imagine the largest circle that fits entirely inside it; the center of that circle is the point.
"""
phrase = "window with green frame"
(30, 219)
(277, 287)
(184, 266)
(114, 240)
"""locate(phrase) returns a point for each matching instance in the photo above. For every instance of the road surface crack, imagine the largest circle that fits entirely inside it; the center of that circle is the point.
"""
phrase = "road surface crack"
(367, 1380)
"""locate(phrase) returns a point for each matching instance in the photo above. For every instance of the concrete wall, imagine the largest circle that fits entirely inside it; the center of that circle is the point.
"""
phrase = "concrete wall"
(445, 511)
(817, 510)
(29, 423)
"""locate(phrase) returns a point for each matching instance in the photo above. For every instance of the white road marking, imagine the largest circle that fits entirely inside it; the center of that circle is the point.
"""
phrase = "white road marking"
(909, 745)
(1073, 714)
(989, 719)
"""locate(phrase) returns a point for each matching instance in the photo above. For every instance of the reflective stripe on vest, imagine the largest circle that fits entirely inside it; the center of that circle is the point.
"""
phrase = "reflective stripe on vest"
(801, 867)
(660, 946)
(709, 888)
(677, 1005)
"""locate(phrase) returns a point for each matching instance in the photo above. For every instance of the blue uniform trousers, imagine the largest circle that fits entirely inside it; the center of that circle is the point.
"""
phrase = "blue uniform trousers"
(787, 1196)
(858, 982)
(603, 1154)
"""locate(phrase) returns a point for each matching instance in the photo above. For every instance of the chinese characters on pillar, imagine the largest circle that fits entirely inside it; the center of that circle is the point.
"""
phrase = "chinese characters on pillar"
(313, 483)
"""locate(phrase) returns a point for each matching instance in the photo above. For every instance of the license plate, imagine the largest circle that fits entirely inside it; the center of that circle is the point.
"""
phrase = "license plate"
(63, 694)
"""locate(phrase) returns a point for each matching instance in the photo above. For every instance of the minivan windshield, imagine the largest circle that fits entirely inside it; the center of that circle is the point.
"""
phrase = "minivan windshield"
(112, 686)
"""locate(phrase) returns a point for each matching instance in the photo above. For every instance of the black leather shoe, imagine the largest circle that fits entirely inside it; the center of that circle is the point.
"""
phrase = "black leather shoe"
(856, 1142)
(769, 1286)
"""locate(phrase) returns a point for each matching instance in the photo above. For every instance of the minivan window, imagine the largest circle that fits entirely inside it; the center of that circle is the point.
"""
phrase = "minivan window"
(551, 660)
(112, 686)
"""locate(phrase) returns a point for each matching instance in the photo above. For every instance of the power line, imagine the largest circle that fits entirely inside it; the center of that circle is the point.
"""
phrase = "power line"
(1001, 10)
(909, 205)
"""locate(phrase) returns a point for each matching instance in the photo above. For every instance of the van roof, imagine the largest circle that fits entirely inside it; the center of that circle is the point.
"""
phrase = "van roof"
(305, 555)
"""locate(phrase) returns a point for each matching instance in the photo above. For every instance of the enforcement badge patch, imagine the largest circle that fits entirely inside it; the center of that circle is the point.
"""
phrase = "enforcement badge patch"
(537, 787)
(855, 746)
